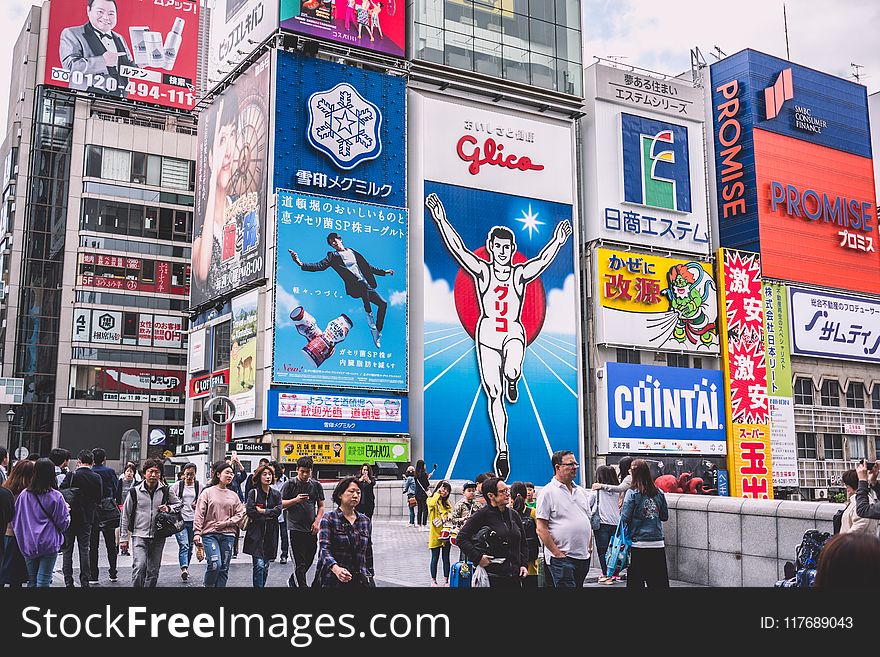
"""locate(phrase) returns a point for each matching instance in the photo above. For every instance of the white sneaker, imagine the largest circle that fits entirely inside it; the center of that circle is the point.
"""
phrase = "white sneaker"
(376, 336)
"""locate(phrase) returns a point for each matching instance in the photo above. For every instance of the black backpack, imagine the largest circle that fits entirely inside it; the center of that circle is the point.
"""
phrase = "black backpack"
(837, 520)
(70, 493)
(530, 529)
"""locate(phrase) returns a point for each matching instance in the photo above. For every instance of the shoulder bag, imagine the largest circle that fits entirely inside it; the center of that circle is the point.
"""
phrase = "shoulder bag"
(617, 556)
(595, 520)
(167, 523)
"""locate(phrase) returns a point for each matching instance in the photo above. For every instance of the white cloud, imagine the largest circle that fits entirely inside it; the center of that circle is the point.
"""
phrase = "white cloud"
(562, 306)
(439, 301)
(398, 298)
(285, 302)
(659, 35)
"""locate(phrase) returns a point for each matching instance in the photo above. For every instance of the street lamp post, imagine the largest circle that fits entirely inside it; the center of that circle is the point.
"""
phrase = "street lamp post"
(10, 418)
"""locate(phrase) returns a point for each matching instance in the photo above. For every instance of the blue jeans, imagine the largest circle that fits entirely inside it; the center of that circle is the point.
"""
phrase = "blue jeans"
(218, 554)
(603, 539)
(435, 559)
(185, 544)
(261, 572)
(40, 570)
(568, 573)
(412, 514)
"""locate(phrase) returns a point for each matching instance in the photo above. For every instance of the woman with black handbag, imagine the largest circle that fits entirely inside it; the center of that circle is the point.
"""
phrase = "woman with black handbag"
(345, 556)
(219, 514)
(501, 547)
(422, 477)
(263, 509)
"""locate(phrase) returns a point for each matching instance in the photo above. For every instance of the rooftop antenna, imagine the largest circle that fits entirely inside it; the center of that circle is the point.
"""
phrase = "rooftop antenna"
(616, 58)
(718, 54)
(785, 21)
(856, 74)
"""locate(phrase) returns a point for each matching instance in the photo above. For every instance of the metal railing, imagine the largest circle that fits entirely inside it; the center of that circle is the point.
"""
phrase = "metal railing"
(813, 473)
(830, 419)
(146, 123)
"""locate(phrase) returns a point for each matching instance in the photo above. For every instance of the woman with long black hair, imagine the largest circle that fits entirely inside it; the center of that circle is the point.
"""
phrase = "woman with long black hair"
(644, 512)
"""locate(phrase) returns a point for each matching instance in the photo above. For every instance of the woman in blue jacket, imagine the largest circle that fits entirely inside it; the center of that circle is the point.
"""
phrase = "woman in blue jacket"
(644, 511)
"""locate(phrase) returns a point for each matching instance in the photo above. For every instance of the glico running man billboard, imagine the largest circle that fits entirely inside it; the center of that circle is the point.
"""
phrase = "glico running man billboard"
(377, 25)
(500, 302)
(794, 172)
(655, 302)
(647, 182)
(128, 49)
(229, 235)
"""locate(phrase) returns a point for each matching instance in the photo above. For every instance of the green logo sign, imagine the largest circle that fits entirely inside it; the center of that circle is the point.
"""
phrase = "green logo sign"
(360, 453)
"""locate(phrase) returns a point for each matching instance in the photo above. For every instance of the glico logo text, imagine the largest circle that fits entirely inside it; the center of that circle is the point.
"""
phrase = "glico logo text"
(492, 153)
(729, 133)
(809, 204)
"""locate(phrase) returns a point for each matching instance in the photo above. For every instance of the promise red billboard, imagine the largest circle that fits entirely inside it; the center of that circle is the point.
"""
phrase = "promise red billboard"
(142, 50)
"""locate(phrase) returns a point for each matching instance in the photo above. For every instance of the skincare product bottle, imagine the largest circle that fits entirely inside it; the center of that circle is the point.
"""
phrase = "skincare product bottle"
(172, 43)
(155, 53)
(138, 45)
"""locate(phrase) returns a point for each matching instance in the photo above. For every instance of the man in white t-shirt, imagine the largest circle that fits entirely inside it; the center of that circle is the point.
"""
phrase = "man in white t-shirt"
(563, 516)
(359, 277)
(187, 490)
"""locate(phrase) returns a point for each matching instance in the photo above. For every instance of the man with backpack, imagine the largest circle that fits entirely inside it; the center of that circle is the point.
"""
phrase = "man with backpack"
(82, 491)
(138, 523)
(106, 517)
(187, 490)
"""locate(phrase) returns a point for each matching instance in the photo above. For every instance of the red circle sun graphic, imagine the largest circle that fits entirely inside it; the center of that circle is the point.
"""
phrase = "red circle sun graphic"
(534, 309)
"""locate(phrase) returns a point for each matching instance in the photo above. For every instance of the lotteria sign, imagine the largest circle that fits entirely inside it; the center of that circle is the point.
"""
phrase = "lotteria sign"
(200, 386)
(665, 409)
(792, 183)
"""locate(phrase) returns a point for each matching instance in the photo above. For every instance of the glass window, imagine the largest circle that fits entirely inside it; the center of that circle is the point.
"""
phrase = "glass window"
(877, 448)
(429, 43)
(175, 173)
(875, 397)
(220, 340)
(677, 360)
(154, 170)
(542, 9)
(166, 224)
(568, 13)
(515, 64)
(542, 37)
(806, 445)
(803, 391)
(698, 363)
(833, 446)
(139, 168)
(148, 271)
(855, 395)
(568, 44)
(543, 70)
(116, 165)
(459, 51)
(857, 446)
(93, 161)
(830, 394)
(136, 220)
(487, 57)
(628, 356)
(515, 30)
(129, 328)
(459, 16)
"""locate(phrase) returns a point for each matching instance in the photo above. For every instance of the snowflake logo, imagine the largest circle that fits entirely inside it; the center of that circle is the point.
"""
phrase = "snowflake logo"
(344, 126)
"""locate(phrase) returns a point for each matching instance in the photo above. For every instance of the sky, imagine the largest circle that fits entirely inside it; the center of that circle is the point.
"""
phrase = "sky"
(659, 35)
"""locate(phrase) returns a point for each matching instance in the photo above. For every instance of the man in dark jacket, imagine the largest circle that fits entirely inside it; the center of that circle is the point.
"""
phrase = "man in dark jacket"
(82, 514)
(493, 537)
(359, 277)
(867, 481)
(110, 485)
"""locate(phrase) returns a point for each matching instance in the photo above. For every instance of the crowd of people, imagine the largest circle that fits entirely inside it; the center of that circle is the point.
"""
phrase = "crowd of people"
(522, 539)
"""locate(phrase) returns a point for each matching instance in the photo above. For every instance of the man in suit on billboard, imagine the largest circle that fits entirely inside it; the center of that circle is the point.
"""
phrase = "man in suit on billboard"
(96, 52)
(359, 277)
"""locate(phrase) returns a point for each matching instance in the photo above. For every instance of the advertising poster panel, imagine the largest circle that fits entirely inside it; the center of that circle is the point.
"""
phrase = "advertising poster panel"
(501, 311)
(661, 409)
(229, 234)
(834, 326)
(340, 302)
(340, 131)
(745, 374)
(655, 302)
(379, 26)
(773, 122)
(125, 49)
(358, 453)
(237, 27)
(316, 411)
(243, 355)
(648, 162)
(783, 439)
(198, 351)
(141, 385)
(321, 451)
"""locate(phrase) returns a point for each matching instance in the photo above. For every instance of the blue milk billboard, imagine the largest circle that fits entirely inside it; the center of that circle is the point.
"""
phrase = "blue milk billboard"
(500, 387)
(340, 159)
(340, 131)
(340, 298)
(661, 409)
